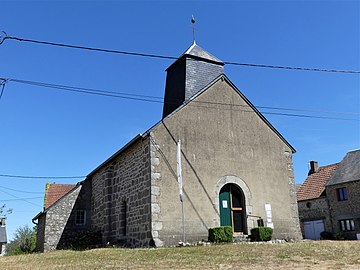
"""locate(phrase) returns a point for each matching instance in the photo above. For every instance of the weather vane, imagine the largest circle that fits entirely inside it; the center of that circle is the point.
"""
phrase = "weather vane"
(193, 27)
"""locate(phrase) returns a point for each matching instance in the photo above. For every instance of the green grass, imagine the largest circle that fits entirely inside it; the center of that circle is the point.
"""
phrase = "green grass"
(302, 255)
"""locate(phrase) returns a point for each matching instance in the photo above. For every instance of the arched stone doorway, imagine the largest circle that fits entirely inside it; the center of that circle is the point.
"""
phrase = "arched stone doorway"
(241, 184)
(232, 208)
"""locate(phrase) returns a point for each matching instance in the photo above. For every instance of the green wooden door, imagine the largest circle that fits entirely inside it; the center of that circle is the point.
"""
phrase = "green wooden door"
(225, 206)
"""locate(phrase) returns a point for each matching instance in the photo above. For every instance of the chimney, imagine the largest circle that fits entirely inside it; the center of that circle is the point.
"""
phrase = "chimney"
(313, 167)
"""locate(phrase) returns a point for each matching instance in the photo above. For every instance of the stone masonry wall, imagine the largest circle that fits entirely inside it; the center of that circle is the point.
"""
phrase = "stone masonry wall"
(57, 217)
(294, 230)
(157, 224)
(349, 209)
(121, 198)
(40, 234)
(72, 230)
(314, 209)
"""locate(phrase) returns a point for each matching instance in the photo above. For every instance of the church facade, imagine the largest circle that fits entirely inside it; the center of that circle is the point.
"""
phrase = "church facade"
(236, 167)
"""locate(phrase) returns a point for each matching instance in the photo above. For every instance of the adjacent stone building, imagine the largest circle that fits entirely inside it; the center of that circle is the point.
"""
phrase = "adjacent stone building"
(343, 193)
(3, 237)
(329, 201)
(64, 215)
(314, 211)
(236, 167)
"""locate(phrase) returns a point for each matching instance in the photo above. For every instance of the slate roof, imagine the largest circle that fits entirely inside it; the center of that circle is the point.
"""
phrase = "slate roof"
(3, 238)
(349, 169)
(54, 192)
(195, 51)
(314, 184)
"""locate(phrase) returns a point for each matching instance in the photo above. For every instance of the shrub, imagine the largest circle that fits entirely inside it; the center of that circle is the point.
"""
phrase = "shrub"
(327, 236)
(340, 236)
(81, 240)
(261, 234)
(220, 234)
(24, 241)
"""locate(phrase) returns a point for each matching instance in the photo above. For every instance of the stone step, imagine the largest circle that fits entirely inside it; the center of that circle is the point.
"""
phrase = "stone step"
(241, 238)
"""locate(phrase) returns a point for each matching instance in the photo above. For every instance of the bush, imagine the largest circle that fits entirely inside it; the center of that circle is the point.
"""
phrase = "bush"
(340, 236)
(327, 236)
(220, 234)
(261, 234)
(81, 240)
(24, 241)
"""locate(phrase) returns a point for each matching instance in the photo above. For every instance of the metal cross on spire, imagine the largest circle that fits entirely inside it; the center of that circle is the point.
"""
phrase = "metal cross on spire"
(193, 27)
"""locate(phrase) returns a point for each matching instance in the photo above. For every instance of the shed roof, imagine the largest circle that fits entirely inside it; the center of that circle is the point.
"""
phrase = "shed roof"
(54, 192)
(314, 184)
(349, 169)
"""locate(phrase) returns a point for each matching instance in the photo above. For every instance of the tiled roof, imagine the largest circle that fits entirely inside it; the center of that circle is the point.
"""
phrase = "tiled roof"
(54, 192)
(314, 184)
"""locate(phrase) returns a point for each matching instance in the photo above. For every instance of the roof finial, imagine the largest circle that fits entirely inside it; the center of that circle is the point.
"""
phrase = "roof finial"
(193, 26)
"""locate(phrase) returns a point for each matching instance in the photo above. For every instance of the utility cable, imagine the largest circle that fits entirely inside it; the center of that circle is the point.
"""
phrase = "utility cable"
(30, 192)
(16, 197)
(21, 199)
(40, 177)
(2, 85)
(4, 37)
(193, 102)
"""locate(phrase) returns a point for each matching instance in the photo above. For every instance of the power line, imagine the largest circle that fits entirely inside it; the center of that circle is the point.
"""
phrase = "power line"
(40, 177)
(5, 37)
(89, 48)
(22, 191)
(154, 99)
(21, 199)
(32, 192)
(2, 85)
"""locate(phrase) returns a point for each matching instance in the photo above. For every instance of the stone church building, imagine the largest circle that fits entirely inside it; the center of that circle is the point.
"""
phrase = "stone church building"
(236, 168)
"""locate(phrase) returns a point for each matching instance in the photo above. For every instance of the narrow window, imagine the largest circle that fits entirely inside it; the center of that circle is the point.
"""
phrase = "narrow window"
(346, 225)
(123, 218)
(80, 217)
(342, 194)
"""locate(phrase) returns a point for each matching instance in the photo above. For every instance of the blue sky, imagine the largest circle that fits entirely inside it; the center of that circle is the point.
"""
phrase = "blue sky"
(51, 132)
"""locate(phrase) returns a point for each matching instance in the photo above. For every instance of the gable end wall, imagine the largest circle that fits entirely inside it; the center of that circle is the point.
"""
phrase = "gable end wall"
(56, 219)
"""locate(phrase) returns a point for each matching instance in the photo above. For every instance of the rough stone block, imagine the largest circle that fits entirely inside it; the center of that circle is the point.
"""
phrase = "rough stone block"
(158, 242)
(155, 208)
(156, 225)
(155, 190)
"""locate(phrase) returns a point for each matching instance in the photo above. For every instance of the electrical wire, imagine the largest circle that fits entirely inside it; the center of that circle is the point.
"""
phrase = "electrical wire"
(31, 192)
(22, 199)
(40, 177)
(22, 191)
(154, 99)
(5, 37)
(2, 85)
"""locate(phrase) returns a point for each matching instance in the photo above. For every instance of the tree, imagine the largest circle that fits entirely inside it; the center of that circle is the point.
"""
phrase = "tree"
(24, 241)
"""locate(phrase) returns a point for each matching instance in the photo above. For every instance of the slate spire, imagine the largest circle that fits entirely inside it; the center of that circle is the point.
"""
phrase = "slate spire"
(189, 74)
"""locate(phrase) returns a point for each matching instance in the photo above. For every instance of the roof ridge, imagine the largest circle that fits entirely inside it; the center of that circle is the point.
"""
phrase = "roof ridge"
(326, 166)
